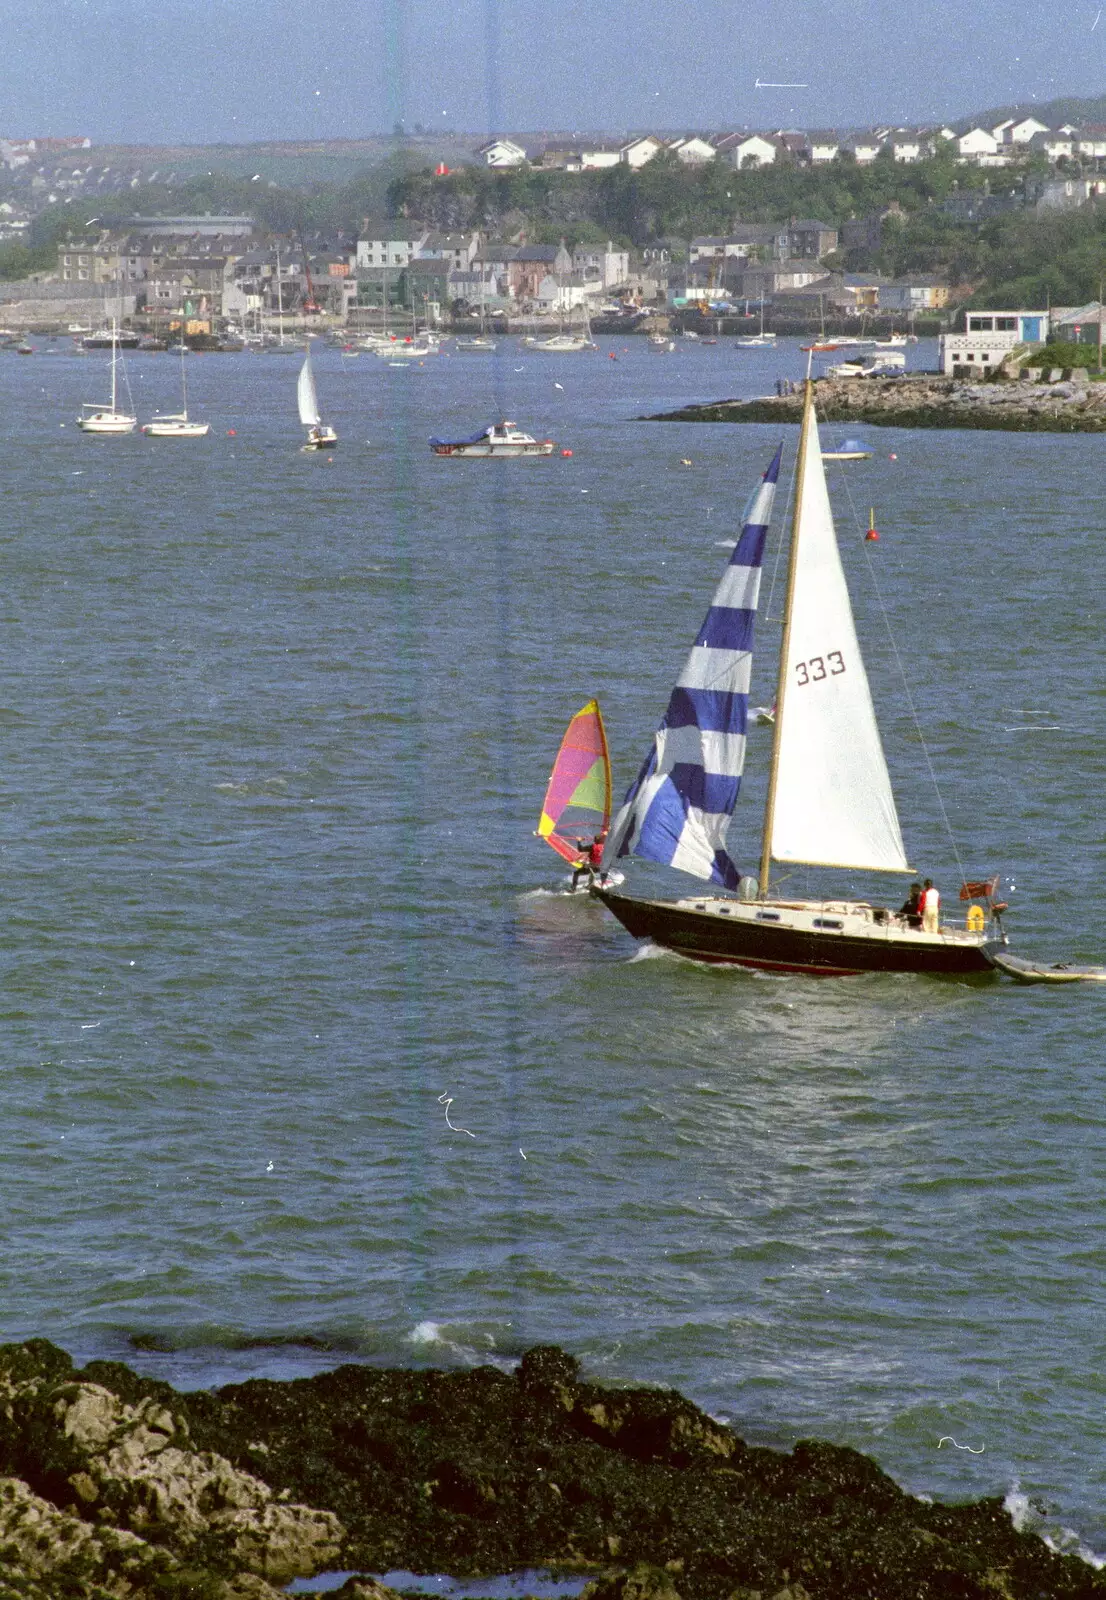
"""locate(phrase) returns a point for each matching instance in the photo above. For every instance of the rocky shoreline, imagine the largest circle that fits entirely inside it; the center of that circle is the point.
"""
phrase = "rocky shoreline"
(118, 1487)
(1070, 405)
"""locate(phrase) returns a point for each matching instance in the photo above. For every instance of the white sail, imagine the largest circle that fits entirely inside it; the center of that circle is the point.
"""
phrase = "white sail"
(306, 396)
(834, 805)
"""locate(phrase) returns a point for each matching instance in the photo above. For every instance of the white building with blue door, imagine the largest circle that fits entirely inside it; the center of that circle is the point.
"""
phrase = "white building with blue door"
(987, 339)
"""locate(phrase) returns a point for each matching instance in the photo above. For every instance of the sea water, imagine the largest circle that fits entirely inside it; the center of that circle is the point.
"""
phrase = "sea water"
(307, 1055)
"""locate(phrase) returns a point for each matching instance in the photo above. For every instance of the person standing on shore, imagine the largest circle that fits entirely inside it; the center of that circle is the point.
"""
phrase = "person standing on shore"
(930, 906)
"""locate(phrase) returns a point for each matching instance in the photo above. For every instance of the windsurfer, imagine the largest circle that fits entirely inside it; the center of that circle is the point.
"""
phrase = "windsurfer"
(591, 858)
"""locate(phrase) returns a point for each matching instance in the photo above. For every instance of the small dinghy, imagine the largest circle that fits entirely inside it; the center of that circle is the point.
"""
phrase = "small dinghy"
(1036, 972)
(849, 450)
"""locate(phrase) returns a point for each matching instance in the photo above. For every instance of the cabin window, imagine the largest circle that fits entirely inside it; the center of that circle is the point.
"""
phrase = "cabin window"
(768, 916)
(723, 911)
(828, 922)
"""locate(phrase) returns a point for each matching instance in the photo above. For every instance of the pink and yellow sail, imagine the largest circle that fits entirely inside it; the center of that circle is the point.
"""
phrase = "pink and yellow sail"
(578, 799)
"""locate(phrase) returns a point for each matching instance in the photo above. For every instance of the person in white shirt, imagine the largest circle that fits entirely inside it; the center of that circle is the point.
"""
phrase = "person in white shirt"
(930, 905)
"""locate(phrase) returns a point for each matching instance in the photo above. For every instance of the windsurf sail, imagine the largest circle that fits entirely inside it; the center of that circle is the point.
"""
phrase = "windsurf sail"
(679, 806)
(578, 799)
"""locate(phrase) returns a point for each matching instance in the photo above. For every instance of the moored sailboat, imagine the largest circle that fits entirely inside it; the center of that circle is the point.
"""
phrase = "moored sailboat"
(829, 801)
(96, 418)
(319, 435)
(176, 424)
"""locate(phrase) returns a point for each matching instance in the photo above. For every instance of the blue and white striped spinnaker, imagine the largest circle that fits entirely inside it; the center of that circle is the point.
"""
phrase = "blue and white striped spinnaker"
(679, 806)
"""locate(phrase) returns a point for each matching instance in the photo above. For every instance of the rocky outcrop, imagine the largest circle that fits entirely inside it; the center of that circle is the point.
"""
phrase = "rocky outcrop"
(1074, 405)
(118, 1488)
(116, 1495)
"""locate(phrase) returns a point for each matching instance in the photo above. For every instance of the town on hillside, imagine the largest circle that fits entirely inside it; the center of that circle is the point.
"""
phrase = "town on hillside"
(216, 276)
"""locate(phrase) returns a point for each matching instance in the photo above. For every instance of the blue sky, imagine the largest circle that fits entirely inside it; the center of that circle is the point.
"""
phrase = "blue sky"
(204, 71)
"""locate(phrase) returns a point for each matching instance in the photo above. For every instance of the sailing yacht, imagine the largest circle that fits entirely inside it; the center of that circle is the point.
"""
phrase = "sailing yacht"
(565, 343)
(319, 436)
(176, 424)
(829, 800)
(96, 418)
(757, 341)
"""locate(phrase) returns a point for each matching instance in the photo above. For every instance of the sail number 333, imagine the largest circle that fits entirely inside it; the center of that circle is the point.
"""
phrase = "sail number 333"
(831, 665)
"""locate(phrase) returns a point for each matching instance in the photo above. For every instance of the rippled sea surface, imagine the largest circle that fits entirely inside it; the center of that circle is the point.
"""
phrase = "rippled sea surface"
(274, 734)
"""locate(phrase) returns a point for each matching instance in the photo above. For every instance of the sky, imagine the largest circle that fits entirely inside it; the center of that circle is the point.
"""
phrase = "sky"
(239, 71)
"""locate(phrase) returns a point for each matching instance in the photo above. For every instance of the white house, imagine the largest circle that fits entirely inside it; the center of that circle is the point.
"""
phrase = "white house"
(748, 150)
(557, 293)
(821, 147)
(638, 151)
(1091, 141)
(459, 249)
(1052, 145)
(988, 338)
(906, 145)
(596, 156)
(1021, 132)
(865, 147)
(693, 151)
(976, 144)
(502, 153)
(390, 244)
(609, 268)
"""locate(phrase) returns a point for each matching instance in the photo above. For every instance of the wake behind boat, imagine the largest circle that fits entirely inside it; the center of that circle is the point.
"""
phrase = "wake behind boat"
(498, 439)
(829, 802)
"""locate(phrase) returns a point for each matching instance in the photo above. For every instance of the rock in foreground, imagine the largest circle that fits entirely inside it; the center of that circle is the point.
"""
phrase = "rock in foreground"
(117, 1486)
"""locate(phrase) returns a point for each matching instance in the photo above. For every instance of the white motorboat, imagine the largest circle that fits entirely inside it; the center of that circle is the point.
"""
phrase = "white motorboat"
(562, 344)
(884, 364)
(96, 418)
(407, 349)
(849, 450)
(477, 345)
(499, 439)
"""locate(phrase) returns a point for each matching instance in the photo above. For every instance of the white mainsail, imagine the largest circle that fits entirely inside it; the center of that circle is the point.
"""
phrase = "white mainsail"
(833, 800)
(306, 396)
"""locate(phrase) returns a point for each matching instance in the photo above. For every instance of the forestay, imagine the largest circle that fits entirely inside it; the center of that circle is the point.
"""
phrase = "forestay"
(833, 800)
(306, 396)
(678, 808)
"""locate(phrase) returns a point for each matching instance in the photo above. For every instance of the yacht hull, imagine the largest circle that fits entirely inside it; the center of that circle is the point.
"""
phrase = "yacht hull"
(782, 937)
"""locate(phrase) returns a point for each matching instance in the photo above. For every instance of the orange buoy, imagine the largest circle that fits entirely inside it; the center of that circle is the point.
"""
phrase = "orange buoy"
(871, 537)
(566, 452)
(232, 433)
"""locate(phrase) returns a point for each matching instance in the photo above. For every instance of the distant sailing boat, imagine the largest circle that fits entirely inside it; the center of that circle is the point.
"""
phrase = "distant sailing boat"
(176, 424)
(577, 806)
(757, 341)
(829, 801)
(319, 436)
(96, 418)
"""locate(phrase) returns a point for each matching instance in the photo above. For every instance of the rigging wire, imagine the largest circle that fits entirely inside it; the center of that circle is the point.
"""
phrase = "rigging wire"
(905, 683)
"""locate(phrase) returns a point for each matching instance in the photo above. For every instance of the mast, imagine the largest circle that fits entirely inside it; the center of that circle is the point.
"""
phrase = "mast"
(113, 360)
(785, 640)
